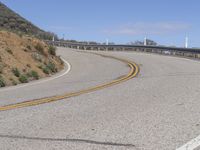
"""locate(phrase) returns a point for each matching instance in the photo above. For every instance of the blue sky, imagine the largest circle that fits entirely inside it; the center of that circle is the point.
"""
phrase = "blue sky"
(121, 21)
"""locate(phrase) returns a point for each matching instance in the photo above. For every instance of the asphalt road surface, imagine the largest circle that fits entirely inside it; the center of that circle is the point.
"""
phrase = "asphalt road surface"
(157, 110)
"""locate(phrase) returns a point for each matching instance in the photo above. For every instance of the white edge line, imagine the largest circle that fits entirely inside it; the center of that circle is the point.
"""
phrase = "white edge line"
(191, 145)
(42, 81)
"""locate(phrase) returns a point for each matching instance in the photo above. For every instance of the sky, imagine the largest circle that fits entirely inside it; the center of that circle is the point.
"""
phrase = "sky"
(167, 22)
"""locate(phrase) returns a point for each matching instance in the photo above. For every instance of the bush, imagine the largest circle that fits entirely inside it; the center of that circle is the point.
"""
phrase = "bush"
(34, 74)
(40, 48)
(13, 81)
(28, 47)
(37, 57)
(9, 51)
(52, 50)
(40, 66)
(46, 70)
(23, 79)
(28, 65)
(1, 68)
(28, 74)
(16, 72)
(52, 67)
(2, 82)
(49, 68)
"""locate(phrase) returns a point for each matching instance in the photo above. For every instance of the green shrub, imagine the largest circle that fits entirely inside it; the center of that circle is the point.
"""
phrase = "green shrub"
(52, 67)
(40, 48)
(49, 68)
(29, 75)
(28, 47)
(52, 50)
(9, 51)
(25, 50)
(24, 70)
(2, 82)
(34, 74)
(46, 70)
(28, 65)
(37, 57)
(20, 35)
(40, 66)
(16, 72)
(23, 79)
(1, 68)
(13, 81)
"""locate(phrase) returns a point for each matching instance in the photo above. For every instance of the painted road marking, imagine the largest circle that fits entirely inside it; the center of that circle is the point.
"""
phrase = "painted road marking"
(191, 145)
(134, 70)
(41, 81)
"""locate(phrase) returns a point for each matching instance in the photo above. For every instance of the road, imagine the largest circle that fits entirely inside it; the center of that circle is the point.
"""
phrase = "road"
(157, 110)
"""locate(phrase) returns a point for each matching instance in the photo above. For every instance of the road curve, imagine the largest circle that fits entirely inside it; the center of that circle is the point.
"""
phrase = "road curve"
(134, 70)
(157, 110)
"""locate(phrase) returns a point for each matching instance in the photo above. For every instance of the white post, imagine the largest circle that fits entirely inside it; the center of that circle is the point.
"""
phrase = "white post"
(53, 39)
(107, 42)
(186, 42)
(63, 36)
(145, 41)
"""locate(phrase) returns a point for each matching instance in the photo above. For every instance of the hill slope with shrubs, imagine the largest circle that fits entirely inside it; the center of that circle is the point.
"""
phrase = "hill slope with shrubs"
(11, 21)
(23, 59)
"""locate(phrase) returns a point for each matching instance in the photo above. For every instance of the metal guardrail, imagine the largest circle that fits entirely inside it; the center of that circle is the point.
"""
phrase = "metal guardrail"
(193, 50)
(179, 51)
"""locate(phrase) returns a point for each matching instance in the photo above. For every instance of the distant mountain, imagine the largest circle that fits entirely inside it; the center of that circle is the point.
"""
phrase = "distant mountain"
(11, 21)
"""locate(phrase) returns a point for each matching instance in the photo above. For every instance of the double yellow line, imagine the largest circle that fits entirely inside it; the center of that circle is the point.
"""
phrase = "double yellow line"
(134, 70)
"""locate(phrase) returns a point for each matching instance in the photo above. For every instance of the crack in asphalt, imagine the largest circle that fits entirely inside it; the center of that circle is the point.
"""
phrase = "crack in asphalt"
(67, 140)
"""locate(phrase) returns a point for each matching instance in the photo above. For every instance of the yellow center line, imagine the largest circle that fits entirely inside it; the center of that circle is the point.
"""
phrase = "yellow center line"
(134, 70)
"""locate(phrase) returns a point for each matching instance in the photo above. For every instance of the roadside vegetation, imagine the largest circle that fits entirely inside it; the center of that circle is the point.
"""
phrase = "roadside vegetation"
(23, 54)
(24, 58)
(13, 22)
(2, 82)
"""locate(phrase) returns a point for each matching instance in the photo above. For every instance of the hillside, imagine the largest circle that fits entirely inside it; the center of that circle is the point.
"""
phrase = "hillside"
(24, 58)
(11, 21)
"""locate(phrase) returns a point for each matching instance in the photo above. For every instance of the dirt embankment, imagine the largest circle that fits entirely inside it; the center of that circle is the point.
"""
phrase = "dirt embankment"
(23, 59)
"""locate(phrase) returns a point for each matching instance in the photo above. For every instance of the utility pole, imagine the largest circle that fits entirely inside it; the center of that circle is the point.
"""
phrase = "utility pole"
(63, 36)
(145, 41)
(107, 42)
(186, 42)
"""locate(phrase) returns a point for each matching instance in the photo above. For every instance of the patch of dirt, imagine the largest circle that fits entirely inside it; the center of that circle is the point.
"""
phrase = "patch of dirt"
(31, 57)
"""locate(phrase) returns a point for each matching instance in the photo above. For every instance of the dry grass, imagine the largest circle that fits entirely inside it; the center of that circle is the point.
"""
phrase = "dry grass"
(25, 54)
